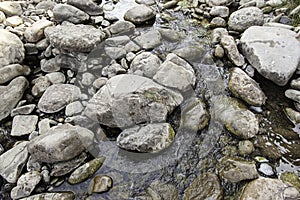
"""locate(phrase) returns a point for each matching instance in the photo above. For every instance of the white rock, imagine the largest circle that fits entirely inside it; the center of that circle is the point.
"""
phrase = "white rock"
(24, 125)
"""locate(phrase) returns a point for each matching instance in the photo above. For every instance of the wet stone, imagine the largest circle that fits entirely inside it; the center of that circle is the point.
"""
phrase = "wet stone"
(266, 169)
(246, 147)
(122, 27)
(100, 184)
(24, 125)
(52, 196)
(65, 12)
(139, 14)
(88, 6)
(293, 95)
(149, 40)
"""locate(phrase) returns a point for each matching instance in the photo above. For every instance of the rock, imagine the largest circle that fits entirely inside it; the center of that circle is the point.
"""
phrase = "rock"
(74, 108)
(218, 22)
(52, 196)
(11, 48)
(293, 95)
(235, 170)
(9, 72)
(13, 161)
(26, 184)
(116, 41)
(176, 73)
(122, 27)
(266, 169)
(268, 49)
(14, 21)
(244, 18)
(219, 51)
(23, 110)
(41, 84)
(65, 12)
(291, 178)
(171, 35)
(217, 34)
(88, 6)
(149, 40)
(267, 148)
(145, 64)
(60, 143)
(219, 11)
(79, 38)
(35, 32)
(232, 51)
(150, 138)
(45, 5)
(295, 84)
(2, 17)
(65, 167)
(11, 94)
(194, 115)
(115, 53)
(24, 125)
(113, 70)
(85, 171)
(87, 79)
(56, 77)
(11, 8)
(205, 186)
(293, 115)
(127, 100)
(163, 190)
(219, 2)
(191, 53)
(246, 147)
(58, 96)
(245, 88)
(140, 14)
(100, 184)
(267, 188)
(62, 61)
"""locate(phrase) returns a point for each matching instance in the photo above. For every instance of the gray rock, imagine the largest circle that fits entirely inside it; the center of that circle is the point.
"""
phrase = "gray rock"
(232, 51)
(60, 143)
(9, 72)
(122, 27)
(87, 79)
(11, 48)
(171, 35)
(244, 87)
(217, 34)
(85, 171)
(52, 196)
(115, 53)
(219, 11)
(56, 77)
(219, 51)
(268, 49)
(145, 64)
(24, 125)
(11, 8)
(147, 139)
(35, 32)
(100, 184)
(219, 2)
(149, 40)
(88, 6)
(58, 96)
(266, 169)
(40, 86)
(13, 161)
(295, 84)
(205, 186)
(45, 5)
(13, 21)
(74, 108)
(293, 94)
(65, 12)
(218, 22)
(62, 61)
(191, 53)
(235, 170)
(26, 184)
(246, 147)
(163, 190)
(267, 188)
(244, 18)
(11, 94)
(139, 14)
(118, 40)
(126, 100)
(23, 110)
(113, 70)
(176, 73)
(79, 38)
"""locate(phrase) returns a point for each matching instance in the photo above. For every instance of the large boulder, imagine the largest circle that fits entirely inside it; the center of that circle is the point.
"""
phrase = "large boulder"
(273, 51)
(127, 100)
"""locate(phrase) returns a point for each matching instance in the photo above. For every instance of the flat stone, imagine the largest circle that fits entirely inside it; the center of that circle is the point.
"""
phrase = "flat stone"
(146, 139)
(268, 49)
(11, 8)
(122, 27)
(245, 88)
(56, 77)
(149, 40)
(52, 196)
(41, 84)
(11, 94)
(74, 108)
(9, 72)
(100, 184)
(232, 51)
(23, 110)
(24, 125)
(11, 48)
(127, 100)
(219, 11)
(79, 38)
(14, 21)
(13, 161)
(57, 97)
(140, 14)
(65, 12)
(88, 6)
(60, 143)
(191, 53)
(116, 41)
(35, 32)
(293, 95)
(115, 53)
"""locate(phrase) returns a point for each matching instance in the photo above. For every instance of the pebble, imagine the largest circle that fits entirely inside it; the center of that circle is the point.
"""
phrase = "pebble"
(100, 184)
(24, 125)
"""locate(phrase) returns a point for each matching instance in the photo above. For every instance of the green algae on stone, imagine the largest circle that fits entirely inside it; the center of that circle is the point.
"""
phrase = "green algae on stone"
(292, 178)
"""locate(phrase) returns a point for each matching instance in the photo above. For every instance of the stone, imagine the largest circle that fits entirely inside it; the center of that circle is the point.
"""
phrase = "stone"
(35, 32)
(60, 143)
(268, 49)
(13, 161)
(26, 184)
(88, 6)
(266, 169)
(295, 84)
(219, 2)
(150, 138)
(293, 95)
(11, 48)
(244, 18)
(171, 35)
(45, 5)
(218, 22)
(122, 27)
(2, 17)
(205, 186)
(23, 110)
(219, 51)
(65, 12)
(85, 171)
(293, 115)
(14, 21)
(236, 170)
(74, 108)
(57, 97)
(291, 178)
(267, 188)
(79, 38)
(11, 8)
(149, 40)
(9, 72)
(245, 88)
(56, 77)
(87, 79)
(127, 100)
(100, 184)
(115, 53)
(11, 94)
(217, 34)
(116, 41)
(145, 64)
(41, 84)
(176, 73)
(140, 14)
(163, 190)
(24, 125)
(219, 11)
(191, 53)
(52, 196)
(232, 51)
(246, 147)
